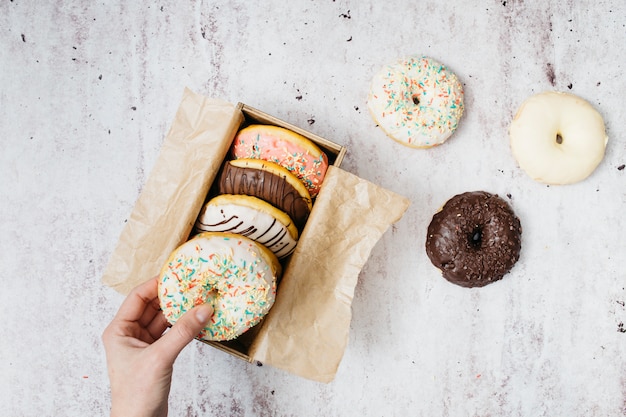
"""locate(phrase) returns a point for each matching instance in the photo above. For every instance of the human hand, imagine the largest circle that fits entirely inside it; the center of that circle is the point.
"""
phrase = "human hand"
(140, 356)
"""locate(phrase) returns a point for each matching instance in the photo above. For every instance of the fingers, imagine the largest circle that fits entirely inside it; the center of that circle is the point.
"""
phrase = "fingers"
(134, 306)
(157, 326)
(184, 331)
(152, 311)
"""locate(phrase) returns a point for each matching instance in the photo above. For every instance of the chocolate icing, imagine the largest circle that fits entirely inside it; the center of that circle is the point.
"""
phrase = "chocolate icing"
(475, 239)
(267, 186)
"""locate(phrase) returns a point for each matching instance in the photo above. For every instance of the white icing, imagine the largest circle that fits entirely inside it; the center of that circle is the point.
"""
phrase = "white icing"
(229, 272)
(534, 133)
(254, 224)
(416, 101)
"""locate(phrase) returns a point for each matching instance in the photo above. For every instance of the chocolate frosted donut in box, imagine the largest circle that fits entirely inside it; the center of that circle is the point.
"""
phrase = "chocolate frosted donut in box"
(269, 182)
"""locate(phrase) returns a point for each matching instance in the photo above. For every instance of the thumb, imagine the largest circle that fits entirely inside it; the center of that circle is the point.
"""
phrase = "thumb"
(183, 331)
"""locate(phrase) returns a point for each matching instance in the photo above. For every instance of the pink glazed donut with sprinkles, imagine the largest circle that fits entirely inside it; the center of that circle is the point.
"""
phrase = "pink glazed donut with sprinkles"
(234, 274)
(416, 101)
(275, 144)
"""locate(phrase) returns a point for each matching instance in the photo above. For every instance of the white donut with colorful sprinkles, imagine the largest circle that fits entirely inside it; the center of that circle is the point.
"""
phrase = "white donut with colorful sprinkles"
(236, 275)
(416, 101)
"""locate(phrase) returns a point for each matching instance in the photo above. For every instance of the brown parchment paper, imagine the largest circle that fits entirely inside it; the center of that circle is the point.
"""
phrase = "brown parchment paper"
(306, 331)
(166, 209)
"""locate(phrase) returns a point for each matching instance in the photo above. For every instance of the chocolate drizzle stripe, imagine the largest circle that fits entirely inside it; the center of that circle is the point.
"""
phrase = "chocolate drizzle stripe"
(249, 231)
(214, 227)
(276, 238)
(271, 226)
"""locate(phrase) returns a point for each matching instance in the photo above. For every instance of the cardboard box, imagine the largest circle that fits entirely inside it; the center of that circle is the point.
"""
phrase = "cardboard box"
(335, 153)
(306, 331)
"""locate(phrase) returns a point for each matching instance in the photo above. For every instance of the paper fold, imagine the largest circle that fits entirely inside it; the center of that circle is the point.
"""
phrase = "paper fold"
(165, 212)
(306, 332)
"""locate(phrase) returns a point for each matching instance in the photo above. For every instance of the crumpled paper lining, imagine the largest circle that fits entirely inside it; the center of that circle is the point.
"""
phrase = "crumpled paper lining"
(166, 209)
(306, 331)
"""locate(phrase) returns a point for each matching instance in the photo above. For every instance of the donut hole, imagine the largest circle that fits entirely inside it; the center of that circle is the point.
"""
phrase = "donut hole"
(559, 138)
(475, 237)
(211, 295)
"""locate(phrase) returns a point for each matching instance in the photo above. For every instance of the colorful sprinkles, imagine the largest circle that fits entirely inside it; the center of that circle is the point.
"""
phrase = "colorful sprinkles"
(225, 270)
(281, 146)
(417, 101)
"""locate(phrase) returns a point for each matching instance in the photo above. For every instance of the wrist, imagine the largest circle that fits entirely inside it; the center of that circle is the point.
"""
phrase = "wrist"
(127, 412)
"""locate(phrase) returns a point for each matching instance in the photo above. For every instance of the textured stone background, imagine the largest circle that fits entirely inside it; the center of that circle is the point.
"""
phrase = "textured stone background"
(87, 93)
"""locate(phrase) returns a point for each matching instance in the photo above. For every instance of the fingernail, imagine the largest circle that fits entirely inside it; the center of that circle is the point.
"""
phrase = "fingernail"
(203, 312)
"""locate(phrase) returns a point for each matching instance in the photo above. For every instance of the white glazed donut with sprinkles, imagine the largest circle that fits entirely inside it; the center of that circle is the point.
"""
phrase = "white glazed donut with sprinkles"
(416, 101)
(233, 273)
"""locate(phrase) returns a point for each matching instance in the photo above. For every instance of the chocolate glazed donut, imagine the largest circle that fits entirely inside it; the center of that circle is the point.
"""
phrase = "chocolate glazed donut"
(267, 186)
(475, 239)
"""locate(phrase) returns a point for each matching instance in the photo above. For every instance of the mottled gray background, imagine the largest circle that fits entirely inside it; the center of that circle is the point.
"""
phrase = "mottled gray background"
(89, 89)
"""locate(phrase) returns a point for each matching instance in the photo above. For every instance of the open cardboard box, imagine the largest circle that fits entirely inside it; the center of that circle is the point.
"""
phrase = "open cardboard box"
(306, 331)
(240, 347)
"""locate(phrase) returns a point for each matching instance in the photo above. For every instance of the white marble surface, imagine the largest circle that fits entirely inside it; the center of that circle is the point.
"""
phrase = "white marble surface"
(88, 90)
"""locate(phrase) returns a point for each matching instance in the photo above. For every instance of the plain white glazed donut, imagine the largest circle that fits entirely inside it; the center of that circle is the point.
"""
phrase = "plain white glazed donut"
(557, 138)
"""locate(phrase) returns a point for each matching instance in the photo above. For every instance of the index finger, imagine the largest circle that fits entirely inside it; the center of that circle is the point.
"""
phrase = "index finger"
(138, 300)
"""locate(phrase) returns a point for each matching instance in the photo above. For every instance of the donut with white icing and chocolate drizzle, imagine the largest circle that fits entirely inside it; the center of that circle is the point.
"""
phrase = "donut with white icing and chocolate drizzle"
(251, 217)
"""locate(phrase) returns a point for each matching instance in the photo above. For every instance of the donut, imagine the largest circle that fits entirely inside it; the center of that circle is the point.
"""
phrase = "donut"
(416, 101)
(251, 217)
(271, 183)
(293, 151)
(236, 275)
(475, 239)
(557, 138)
